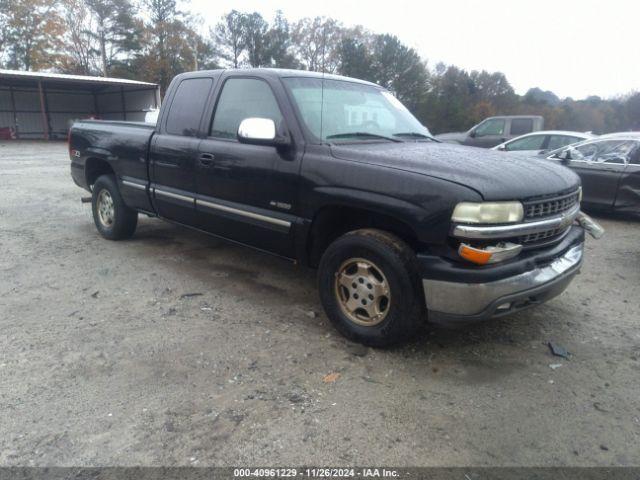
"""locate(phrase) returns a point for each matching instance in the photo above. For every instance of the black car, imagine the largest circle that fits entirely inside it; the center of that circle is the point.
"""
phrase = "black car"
(609, 167)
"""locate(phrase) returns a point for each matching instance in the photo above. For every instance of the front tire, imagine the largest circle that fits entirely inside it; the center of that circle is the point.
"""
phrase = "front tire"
(113, 219)
(369, 288)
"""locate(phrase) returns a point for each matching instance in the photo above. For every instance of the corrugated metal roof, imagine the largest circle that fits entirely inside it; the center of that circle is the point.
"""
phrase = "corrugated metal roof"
(71, 78)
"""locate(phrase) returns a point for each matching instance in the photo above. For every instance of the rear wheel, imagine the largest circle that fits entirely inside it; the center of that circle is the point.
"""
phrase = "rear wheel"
(369, 288)
(113, 219)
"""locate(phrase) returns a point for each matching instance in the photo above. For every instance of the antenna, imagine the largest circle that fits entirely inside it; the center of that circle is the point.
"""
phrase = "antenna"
(324, 43)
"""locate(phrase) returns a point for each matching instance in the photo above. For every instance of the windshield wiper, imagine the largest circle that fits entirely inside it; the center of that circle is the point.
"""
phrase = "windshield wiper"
(363, 134)
(414, 135)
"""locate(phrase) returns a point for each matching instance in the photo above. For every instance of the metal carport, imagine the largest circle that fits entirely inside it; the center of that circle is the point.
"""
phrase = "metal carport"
(43, 105)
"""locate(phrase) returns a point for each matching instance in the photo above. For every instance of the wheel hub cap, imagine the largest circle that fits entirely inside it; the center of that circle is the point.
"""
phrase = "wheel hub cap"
(362, 291)
(106, 213)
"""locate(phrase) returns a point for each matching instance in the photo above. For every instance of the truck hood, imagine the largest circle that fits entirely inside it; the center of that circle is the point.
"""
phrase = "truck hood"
(492, 174)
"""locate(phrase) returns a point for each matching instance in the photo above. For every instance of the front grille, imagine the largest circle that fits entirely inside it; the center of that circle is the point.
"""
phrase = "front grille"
(539, 237)
(549, 207)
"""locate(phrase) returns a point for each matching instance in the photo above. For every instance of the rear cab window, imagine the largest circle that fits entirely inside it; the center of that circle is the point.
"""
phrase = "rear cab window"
(187, 106)
(520, 126)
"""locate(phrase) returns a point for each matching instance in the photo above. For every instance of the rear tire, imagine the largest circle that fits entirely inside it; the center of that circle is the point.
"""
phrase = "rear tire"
(113, 219)
(370, 289)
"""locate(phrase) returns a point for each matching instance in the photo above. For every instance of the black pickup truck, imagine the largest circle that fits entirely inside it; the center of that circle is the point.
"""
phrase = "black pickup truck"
(335, 173)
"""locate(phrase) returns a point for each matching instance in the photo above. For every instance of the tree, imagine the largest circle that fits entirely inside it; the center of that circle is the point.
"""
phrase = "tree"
(32, 33)
(317, 43)
(164, 43)
(495, 89)
(115, 31)
(256, 40)
(536, 96)
(281, 44)
(356, 58)
(229, 36)
(205, 54)
(399, 69)
(632, 107)
(203, 49)
(448, 103)
(79, 41)
(4, 24)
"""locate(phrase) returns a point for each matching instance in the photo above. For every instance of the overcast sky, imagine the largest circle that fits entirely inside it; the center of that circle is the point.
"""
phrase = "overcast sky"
(573, 47)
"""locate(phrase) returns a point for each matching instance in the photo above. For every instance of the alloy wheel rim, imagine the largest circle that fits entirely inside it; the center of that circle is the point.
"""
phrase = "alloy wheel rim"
(362, 291)
(106, 211)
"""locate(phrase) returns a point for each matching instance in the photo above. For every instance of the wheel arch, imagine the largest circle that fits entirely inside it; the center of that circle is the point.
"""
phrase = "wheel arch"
(94, 167)
(334, 220)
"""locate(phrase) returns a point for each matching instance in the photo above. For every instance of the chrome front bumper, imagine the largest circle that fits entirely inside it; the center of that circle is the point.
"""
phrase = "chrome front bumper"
(455, 302)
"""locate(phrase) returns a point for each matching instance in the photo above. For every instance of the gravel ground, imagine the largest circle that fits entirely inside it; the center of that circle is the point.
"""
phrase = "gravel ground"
(174, 348)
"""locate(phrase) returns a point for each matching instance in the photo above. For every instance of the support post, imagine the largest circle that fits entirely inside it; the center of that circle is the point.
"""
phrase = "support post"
(43, 110)
(96, 109)
(124, 104)
(14, 112)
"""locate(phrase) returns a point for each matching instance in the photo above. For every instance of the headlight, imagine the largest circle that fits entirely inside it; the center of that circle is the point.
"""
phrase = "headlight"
(488, 212)
(580, 194)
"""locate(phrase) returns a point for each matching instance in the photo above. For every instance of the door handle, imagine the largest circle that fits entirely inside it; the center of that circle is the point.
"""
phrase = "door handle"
(206, 159)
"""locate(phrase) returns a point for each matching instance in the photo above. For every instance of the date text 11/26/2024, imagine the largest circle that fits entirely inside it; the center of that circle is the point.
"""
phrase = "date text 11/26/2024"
(314, 473)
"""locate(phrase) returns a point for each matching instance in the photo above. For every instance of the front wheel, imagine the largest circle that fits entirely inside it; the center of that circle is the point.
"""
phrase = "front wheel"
(113, 219)
(369, 288)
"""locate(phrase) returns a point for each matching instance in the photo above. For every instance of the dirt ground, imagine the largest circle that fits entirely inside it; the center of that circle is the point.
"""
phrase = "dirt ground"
(175, 348)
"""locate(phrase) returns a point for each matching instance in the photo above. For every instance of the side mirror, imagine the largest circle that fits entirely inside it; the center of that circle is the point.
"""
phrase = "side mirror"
(502, 148)
(472, 134)
(565, 156)
(261, 131)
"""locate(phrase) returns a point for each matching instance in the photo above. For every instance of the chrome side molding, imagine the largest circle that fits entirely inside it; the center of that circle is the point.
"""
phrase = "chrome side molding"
(244, 213)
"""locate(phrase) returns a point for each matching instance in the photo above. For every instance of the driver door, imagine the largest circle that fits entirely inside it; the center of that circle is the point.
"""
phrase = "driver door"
(600, 165)
(246, 193)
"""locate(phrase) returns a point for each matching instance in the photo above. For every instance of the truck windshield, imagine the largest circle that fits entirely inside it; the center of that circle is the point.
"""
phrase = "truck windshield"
(345, 111)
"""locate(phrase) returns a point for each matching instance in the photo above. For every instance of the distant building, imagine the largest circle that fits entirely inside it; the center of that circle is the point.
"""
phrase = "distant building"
(35, 105)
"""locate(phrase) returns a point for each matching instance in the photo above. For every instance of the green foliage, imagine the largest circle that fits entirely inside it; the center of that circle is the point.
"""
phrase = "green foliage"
(317, 43)
(229, 36)
(281, 44)
(116, 31)
(31, 34)
(256, 40)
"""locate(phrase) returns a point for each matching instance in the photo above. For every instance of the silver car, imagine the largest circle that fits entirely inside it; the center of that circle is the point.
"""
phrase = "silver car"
(538, 143)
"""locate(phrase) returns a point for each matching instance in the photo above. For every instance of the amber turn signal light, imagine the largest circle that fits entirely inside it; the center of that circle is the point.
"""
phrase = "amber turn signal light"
(474, 255)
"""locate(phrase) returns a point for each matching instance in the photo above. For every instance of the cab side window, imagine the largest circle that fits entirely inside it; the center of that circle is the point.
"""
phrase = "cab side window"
(243, 98)
(187, 106)
(494, 126)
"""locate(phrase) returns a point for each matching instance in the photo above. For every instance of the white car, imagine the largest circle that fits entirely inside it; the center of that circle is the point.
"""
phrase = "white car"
(538, 143)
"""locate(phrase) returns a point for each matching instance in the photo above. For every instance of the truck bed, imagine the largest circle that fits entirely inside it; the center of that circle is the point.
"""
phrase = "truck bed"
(117, 142)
